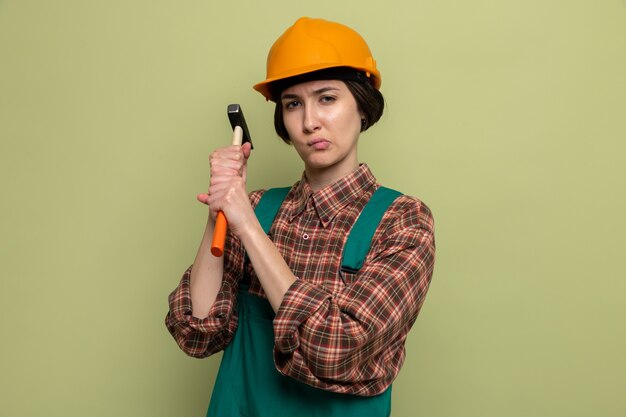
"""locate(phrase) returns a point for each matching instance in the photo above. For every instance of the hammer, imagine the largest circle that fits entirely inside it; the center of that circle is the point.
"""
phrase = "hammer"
(241, 135)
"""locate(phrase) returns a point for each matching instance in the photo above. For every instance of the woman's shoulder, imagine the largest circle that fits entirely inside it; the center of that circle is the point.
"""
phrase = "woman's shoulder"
(256, 195)
(406, 225)
(408, 211)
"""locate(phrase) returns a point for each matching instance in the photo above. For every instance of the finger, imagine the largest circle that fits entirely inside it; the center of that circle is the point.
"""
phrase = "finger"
(218, 187)
(219, 179)
(232, 152)
(216, 203)
(227, 159)
(226, 163)
(202, 198)
(229, 148)
(222, 172)
(226, 190)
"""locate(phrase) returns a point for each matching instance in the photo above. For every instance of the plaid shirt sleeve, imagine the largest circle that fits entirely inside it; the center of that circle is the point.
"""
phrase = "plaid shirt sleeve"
(353, 341)
(197, 337)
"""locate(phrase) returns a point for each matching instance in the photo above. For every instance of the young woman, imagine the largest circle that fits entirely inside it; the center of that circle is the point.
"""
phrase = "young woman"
(302, 335)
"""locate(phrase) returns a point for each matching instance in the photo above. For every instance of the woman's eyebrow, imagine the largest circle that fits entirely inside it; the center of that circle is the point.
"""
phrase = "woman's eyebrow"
(317, 92)
(289, 96)
(323, 90)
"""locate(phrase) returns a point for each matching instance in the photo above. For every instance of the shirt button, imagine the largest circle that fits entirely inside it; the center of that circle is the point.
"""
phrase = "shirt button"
(305, 236)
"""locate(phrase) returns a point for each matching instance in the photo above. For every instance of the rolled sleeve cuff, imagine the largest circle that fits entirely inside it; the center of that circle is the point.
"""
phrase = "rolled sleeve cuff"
(219, 314)
(218, 317)
(300, 302)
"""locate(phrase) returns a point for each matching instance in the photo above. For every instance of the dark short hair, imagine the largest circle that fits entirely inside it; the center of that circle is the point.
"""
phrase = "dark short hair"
(370, 102)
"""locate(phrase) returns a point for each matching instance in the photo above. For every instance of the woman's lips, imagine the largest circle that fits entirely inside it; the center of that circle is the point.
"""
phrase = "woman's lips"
(319, 144)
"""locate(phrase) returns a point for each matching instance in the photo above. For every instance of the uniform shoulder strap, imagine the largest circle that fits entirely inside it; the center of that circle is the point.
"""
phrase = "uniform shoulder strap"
(268, 206)
(360, 238)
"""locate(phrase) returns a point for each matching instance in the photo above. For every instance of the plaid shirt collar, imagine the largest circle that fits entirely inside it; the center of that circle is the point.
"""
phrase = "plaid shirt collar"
(329, 200)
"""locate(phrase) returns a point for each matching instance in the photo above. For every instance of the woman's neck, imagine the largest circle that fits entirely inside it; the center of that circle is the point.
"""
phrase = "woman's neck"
(320, 178)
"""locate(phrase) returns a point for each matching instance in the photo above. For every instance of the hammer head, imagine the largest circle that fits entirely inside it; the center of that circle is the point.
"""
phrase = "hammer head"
(235, 115)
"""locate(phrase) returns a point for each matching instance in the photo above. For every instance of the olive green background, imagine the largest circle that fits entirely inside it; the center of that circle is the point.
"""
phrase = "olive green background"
(507, 118)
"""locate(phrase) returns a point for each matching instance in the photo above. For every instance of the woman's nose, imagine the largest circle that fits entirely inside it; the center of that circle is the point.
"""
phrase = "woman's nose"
(311, 122)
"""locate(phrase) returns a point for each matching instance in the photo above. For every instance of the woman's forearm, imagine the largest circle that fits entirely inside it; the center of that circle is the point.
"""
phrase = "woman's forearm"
(269, 265)
(206, 275)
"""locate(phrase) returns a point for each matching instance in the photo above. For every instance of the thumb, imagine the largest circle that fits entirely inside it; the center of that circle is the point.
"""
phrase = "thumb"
(246, 148)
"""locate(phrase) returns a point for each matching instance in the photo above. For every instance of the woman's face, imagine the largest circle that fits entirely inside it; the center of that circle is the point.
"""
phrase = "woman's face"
(324, 123)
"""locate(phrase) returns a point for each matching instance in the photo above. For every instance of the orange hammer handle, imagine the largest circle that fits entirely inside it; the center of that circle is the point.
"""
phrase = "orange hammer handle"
(219, 235)
(219, 231)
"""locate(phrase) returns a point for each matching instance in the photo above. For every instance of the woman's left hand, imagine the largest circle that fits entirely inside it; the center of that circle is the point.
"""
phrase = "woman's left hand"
(227, 190)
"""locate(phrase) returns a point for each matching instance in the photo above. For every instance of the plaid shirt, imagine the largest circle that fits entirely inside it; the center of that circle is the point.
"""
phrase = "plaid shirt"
(336, 331)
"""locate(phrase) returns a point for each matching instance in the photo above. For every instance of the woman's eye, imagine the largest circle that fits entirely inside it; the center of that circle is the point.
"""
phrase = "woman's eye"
(327, 99)
(291, 104)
